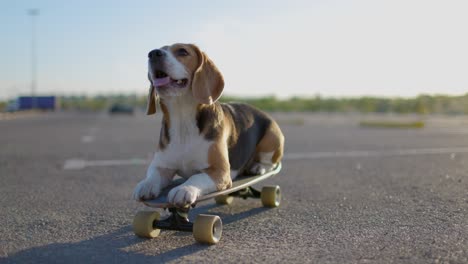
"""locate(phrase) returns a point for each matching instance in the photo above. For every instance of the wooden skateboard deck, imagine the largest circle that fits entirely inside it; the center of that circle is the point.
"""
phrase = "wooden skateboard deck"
(241, 182)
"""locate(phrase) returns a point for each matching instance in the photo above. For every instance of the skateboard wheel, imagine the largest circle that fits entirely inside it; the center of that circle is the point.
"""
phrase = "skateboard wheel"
(271, 196)
(143, 224)
(207, 229)
(224, 199)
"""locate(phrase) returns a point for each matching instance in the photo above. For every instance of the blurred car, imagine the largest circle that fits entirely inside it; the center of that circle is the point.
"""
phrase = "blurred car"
(121, 109)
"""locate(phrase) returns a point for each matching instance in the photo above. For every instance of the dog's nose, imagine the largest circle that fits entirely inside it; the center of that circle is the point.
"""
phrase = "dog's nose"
(155, 53)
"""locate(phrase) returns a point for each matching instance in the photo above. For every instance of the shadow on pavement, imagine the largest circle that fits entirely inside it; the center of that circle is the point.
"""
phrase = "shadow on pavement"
(105, 248)
(109, 247)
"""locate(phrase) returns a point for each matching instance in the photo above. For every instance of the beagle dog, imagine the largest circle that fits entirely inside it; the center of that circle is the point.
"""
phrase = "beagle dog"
(207, 142)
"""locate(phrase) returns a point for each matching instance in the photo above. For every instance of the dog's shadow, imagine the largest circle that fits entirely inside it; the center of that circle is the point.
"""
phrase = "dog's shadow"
(111, 247)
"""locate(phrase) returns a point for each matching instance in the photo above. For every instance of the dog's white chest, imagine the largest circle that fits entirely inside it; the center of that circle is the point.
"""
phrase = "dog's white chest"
(187, 151)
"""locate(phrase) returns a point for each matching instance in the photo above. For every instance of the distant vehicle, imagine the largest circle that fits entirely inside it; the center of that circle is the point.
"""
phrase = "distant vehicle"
(36, 102)
(119, 108)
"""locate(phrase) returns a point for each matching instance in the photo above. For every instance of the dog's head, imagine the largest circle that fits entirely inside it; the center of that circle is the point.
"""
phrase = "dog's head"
(179, 69)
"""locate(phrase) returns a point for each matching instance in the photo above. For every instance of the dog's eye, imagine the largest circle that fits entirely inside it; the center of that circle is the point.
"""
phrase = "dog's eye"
(182, 52)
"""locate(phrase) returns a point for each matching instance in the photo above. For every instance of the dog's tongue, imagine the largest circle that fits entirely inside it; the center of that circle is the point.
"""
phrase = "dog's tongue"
(161, 81)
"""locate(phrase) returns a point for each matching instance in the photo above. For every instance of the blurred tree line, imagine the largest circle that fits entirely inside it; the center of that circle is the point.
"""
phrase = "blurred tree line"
(99, 102)
(423, 104)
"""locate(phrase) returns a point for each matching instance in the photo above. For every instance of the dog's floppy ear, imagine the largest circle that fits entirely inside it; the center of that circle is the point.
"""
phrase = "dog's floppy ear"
(208, 83)
(151, 101)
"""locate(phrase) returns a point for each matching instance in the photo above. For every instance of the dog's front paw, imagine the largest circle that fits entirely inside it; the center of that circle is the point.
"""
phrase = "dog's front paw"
(146, 190)
(183, 195)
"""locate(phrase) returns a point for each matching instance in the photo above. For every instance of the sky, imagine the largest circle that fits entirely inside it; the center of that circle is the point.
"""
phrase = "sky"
(338, 48)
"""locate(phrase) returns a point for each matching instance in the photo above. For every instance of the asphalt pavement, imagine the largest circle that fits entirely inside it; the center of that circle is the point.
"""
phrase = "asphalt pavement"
(350, 194)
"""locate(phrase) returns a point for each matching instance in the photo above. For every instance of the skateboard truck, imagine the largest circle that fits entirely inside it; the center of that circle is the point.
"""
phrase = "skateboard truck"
(249, 192)
(178, 220)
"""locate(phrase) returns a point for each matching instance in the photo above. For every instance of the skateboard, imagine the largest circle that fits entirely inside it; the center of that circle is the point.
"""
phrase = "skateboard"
(206, 228)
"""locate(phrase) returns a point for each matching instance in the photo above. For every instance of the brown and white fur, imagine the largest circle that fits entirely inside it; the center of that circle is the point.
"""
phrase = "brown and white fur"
(202, 140)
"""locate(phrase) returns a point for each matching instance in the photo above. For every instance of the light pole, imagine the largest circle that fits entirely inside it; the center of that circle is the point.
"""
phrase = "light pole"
(33, 13)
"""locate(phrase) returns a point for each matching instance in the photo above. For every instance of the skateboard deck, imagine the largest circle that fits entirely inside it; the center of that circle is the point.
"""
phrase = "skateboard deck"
(241, 182)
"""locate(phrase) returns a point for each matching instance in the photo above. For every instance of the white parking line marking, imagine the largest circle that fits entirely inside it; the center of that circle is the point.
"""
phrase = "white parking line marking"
(87, 139)
(78, 164)
(373, 153)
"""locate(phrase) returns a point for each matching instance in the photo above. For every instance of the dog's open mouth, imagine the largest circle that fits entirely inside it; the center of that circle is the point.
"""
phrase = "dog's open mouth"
(162, 79)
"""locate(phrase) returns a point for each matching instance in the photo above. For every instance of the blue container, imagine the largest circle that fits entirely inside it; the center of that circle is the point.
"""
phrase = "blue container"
(40, 102)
